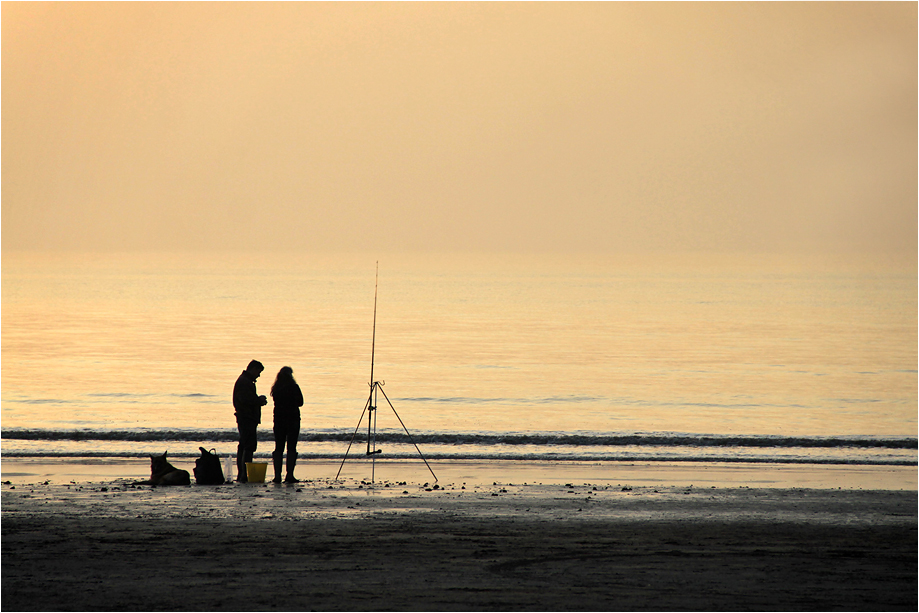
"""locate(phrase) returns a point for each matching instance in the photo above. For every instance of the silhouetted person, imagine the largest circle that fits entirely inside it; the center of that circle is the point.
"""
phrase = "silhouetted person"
(248, 405)
(287, 402)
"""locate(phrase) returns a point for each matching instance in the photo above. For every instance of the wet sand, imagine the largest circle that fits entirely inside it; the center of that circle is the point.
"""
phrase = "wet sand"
(697, 474)
(464, 545)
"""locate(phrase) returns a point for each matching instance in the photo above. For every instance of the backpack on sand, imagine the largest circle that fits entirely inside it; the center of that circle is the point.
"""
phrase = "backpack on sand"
(207, 468)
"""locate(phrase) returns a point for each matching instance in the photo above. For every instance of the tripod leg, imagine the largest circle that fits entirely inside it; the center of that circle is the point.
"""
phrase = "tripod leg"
(354, 435)
(411, 438)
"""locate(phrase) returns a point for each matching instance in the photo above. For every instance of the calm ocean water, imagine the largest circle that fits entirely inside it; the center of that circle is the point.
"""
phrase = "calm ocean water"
(739, 359)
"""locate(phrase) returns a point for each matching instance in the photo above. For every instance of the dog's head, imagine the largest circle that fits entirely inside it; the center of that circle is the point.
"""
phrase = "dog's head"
(158, 462)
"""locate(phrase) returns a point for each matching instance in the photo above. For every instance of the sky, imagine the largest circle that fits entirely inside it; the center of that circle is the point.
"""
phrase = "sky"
(485, 127)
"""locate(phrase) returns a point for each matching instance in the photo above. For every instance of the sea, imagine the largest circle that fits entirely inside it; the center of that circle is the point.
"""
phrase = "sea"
(737, 358)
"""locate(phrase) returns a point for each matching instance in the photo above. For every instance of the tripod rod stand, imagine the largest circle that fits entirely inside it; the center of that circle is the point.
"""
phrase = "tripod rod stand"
(376, 388)
(371, 406)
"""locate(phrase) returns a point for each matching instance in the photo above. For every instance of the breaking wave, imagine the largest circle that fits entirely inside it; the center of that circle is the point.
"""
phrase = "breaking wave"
(481, 438)
(472, 446)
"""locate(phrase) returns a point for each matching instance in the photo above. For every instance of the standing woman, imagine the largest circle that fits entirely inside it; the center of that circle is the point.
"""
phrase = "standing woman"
(287, 402)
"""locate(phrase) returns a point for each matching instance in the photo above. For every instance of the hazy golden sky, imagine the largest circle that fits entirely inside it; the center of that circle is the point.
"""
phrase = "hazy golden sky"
(485, 126)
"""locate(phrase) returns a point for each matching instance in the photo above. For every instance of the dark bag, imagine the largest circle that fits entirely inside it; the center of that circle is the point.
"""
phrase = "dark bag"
(207, 468)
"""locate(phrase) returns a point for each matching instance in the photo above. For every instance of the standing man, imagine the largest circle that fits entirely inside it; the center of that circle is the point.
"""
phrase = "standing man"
(248, 405)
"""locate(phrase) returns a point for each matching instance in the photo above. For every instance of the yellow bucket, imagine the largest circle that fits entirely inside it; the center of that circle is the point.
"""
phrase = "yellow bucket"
(255, 471)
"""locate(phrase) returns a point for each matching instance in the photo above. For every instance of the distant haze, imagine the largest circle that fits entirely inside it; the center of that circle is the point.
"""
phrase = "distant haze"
(556, 127)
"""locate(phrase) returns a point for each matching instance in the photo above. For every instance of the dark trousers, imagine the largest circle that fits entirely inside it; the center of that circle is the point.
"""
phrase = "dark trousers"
(286, 432)
(248, 442)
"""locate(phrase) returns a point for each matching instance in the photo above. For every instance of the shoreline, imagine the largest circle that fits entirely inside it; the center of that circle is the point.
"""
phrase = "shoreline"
(351, 546)
(699, 474)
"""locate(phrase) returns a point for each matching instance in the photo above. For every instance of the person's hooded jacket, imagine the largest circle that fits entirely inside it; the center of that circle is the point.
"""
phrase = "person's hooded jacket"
(287, 401)
(246, 401)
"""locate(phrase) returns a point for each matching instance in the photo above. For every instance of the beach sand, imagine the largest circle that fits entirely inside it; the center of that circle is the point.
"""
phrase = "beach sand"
(530, 542)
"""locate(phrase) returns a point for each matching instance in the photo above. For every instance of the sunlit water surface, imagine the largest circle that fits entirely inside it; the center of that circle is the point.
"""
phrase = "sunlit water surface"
(474, 351)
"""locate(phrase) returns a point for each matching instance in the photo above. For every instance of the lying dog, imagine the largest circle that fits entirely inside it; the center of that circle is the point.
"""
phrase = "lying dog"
(164, 473)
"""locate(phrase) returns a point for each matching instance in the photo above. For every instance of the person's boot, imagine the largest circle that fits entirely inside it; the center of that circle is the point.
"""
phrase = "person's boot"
(291, 463)
(278, 462)
(241, 475)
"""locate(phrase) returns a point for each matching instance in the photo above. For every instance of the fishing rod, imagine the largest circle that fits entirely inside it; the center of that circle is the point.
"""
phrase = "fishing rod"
(372, 406)
(373, 340)
(376, 388)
